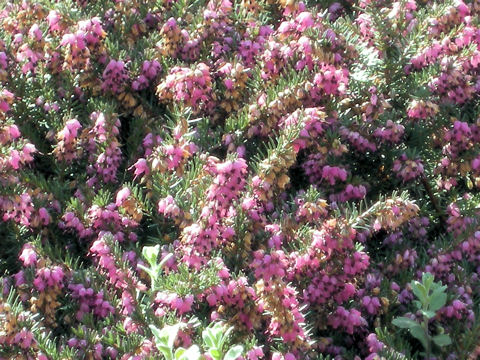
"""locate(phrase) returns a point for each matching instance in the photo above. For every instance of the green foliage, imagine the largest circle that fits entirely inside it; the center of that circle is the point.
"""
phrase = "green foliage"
(214, 339)
(150, 253)
(431, 297)
(184, 281)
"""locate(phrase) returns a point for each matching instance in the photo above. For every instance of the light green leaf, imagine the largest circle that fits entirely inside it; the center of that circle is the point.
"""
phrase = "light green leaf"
(428, 314)
(166, 351)
(427, 280)
(217, 331)
(156, 333)
(438, 288)
(147, 270)
(179, 352)
(208, 339)
(420, 291)
(234, 353)
(150, 253)
(224, 336)
(404, 322)
(192, 353)
(167, 335)
(161, 342)
(442, 340)
(228, 331)
(215, 353)
(170, 332)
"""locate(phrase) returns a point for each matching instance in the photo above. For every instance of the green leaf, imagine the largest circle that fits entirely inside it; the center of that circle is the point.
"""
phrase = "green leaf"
(179, 352)
(404, 322)
(227, 332)
(419, 334)
(234, 352)
(438, 300)
(161, 342)
(156, 333)
(217, 330)
(215, 353)
(442, 340)
(224, 334)
(418, 304)
(171, 332)
(166, 351)
(166, 337)
(150, 253)
(208, 339)
(438, 288)
(428, 314)
(147, 270)
(427, 280)
(420, 292)
(192, 353)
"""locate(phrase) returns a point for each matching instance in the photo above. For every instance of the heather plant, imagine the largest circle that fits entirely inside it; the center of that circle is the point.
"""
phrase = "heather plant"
(239, 179)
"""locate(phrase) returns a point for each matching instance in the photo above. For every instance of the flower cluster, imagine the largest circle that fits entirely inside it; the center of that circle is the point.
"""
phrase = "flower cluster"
(173, 302)
(191, 86)
(346, 319)
(407, 169)
(90, 302)
(114, 77)
(67, 149)
(150, 70)
(103, 146)
(422, 110)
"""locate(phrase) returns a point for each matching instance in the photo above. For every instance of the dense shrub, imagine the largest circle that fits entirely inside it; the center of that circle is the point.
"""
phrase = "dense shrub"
(239, 180)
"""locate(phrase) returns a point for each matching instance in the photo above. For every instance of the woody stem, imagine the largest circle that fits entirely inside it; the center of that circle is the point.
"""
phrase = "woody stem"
(433, 199)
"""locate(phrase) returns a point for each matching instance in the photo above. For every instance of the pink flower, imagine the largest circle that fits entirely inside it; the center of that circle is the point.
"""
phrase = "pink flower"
(141, 166)
(186, 305)
(19, 278)
(14, 132)
(374, 345)
(122, 195)
(114, 76)
(127, 303)
(14, 159)
(39, 284)
(57, 275)
(44, 216)
(24, 338)
(73, 126)
(53, 19)
(100, 247)
(304, 20)
(35, 32)
(28, 255)
(27, 150)
(476, 164)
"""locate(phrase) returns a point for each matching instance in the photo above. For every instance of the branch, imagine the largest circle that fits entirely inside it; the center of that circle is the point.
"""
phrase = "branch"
(433, 199)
